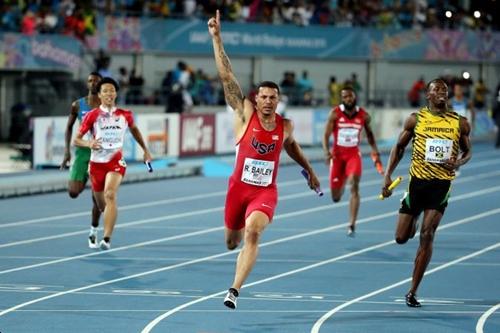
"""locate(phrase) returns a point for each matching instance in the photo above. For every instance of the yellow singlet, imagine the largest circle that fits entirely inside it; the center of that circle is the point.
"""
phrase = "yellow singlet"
(435, 140)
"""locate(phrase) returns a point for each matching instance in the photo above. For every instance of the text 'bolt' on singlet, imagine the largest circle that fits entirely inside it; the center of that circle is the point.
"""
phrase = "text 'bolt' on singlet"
(436, 138)
(258, 153)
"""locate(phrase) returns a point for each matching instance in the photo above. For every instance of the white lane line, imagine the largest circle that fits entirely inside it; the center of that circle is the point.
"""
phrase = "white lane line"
(471, 313)
(484, 317)
(190, 262)
(316, 327)
(181, 215)
(471, 165)
(167, 314)
(196, 233)
(161, 269)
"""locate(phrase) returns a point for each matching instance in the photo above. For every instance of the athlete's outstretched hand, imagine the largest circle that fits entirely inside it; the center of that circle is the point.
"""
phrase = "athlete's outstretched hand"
(214, 25)
(385, 189)
(377, 162)
(65, 162)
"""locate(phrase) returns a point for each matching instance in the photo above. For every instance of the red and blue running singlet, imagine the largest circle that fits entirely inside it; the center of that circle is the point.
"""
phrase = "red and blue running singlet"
(258, 153)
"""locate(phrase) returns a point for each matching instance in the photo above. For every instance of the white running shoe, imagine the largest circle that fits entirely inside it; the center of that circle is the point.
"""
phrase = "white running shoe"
(230, 299)
(93, 244)
(351, 232)
(103, 245)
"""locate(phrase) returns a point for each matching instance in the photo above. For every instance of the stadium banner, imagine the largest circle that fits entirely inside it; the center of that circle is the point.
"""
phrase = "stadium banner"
(303, 125)
(18, 51)
(48, 142)
(320, 117)
(197, 135)
(161, 134)
(225, 140)
(318, 42)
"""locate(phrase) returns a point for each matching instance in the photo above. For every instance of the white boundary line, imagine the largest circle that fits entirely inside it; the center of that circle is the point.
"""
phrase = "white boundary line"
(210, 210)
(472, 165)
(484, 317)
(194, 261)
(204, 231)
(316, 327)
(158, 319)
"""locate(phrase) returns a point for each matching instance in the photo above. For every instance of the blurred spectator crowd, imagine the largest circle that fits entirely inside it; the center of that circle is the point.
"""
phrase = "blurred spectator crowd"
(78, 17)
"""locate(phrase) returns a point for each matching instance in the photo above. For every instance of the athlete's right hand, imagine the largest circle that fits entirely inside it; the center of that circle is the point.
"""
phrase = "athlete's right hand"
(95, 144)
(65, 162)
(214, 24)
(328, 158)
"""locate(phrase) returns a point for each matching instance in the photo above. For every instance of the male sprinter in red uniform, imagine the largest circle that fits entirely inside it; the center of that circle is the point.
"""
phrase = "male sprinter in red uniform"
(346, 122)
(261, 134)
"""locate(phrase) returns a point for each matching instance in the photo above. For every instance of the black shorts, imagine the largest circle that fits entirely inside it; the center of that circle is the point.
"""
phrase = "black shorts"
(425, 194)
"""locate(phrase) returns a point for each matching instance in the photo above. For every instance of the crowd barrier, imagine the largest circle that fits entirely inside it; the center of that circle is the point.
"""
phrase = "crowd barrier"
(207, 134)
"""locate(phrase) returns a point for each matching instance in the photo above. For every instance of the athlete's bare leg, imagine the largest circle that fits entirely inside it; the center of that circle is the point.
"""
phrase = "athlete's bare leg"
(233, 238)
(406, 228)
(354, 200)
(75, 188)
(113, 180)
(430, 223)
(337, 193)
(96, 213)
(255, 224)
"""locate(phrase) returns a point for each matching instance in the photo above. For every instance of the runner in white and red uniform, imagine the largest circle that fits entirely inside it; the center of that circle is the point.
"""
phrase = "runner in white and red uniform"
(108, 125)
(261, 134)
(345, 124)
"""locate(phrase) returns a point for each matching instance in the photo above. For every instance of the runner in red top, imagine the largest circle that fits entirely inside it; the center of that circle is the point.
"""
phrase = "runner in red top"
(261, 134)
(108, 125)
(345, 124)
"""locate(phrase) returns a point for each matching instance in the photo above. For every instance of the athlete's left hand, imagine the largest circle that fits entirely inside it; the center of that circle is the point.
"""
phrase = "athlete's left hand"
(451, 164)
(377, 162)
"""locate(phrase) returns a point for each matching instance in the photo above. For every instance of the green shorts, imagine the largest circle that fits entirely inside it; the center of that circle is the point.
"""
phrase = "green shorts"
(79, 169)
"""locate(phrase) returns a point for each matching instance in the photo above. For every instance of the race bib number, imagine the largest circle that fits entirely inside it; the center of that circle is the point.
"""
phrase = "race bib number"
(438, 150)
(111, 139)
(257, 172)
(348, 137)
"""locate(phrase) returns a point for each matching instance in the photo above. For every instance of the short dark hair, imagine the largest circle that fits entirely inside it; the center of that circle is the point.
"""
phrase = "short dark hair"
(108, 80)
(268, 84)
(435, 81)
(95, 74)
(349, 88)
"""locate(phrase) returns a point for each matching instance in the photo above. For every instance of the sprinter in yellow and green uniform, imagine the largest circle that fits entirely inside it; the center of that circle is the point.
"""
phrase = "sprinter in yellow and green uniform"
(441, 144)
(79, 169)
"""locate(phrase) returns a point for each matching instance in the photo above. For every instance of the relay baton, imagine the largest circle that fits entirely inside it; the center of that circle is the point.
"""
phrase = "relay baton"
(148, 165)
(306, 176)
(393, 185)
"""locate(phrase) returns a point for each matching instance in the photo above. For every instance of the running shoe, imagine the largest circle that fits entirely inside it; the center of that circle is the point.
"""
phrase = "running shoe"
(93, 238)
(351, 232)
(103, 245)
(411, 300)
(231, 297)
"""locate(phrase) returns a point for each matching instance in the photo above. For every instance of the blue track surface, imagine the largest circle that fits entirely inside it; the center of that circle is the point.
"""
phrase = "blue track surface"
(168, 269)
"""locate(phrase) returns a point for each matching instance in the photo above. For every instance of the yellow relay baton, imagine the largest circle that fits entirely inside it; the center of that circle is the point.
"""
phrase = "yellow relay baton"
(391, 187)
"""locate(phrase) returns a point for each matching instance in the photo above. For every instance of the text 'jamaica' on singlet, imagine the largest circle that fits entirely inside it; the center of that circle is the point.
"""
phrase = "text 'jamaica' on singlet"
(258, 153)
(436, 137)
